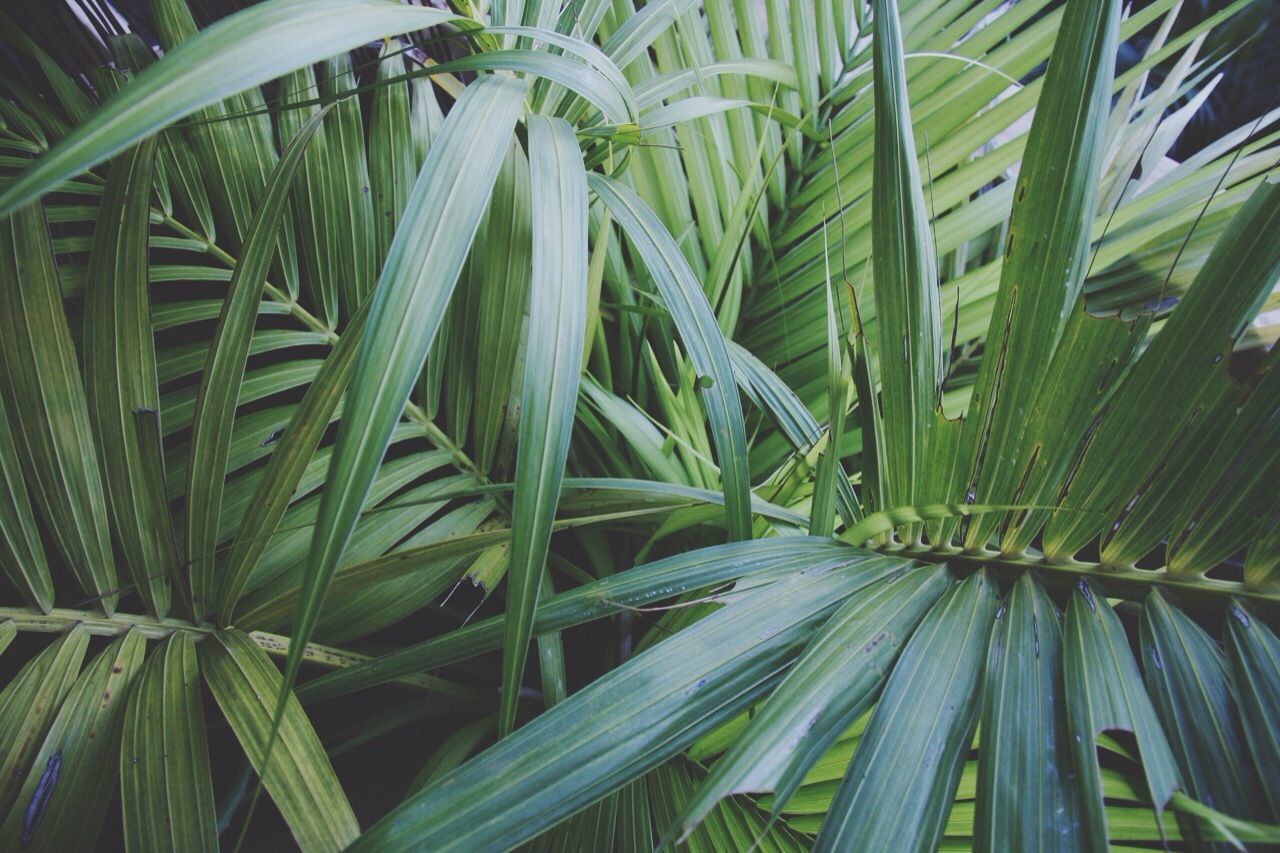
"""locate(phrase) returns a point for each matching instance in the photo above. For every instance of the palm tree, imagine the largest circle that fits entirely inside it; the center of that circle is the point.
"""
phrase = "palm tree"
(916, 458)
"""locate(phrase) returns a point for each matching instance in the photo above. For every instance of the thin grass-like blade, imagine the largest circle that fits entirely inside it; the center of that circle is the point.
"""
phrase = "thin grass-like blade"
(687, 305)
(553, 362)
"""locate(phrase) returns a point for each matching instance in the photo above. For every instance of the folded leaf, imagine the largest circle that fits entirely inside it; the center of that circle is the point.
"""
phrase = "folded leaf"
(120, 377)
(166, 788)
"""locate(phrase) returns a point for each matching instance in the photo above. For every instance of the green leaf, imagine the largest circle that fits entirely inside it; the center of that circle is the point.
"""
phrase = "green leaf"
(40, 379)
(166, 789)
(804, 42)
(1026, 798)
(616, 493)
(553, 362)
(72, 99)
(1227, 502)
(687, 304)
(214, 417)
(1171, 393)
(300, 780)
(822, 693)
(392, 167)
(502, 271)
(72, 778)
(453, 751)
(28, 706)
(733, 824)
(356, 265)
(181, 168)
(313, 197)
(416, 282)
(872, 428)
(597, 59)
(772, 396)
(633, 427)
(1042, 275)
(120, 377)
(1255, 667)
(1189, 682)
(608, 733)
(21, 553)
(881, 522)
(242, 50)
(900, 785)
(593, 83)
(638, 31)
(555, 687)
(641, 586)
(425, 117)
(658, 89)
(1262, 564)
(1086, 368)
(376, 605)
(839, 377)
(1104, 693)
(906, 281)
(287, 465)
(179, 406)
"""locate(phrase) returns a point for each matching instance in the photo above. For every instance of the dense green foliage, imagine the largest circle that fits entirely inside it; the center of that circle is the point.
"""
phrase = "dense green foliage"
(852, 430)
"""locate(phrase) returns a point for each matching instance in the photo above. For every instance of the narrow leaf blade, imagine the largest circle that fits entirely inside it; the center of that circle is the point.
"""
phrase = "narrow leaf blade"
(553, 363)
